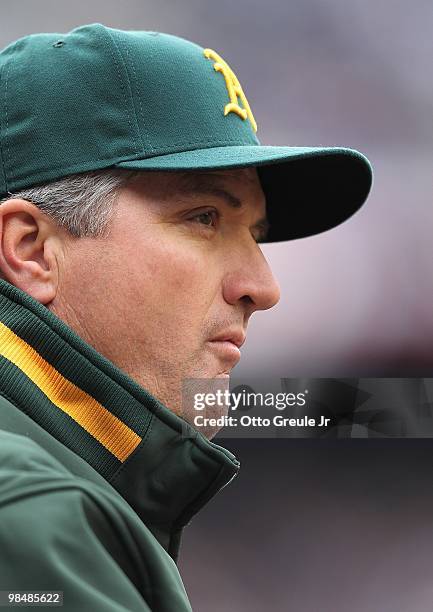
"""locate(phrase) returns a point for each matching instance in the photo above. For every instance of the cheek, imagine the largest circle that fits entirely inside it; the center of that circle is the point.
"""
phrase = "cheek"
(172, 280)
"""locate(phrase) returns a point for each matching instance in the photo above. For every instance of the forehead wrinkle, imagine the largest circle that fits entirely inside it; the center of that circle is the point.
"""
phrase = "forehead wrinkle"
(205, 184)
(249, 174)
(212, 183)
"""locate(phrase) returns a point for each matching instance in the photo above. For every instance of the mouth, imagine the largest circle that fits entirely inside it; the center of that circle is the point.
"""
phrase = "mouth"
(226, 347)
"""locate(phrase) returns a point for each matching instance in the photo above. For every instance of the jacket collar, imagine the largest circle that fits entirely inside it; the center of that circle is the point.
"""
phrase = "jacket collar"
(163, 468)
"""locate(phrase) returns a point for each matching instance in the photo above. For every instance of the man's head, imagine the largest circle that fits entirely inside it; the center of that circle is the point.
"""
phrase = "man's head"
(165, 281)
(155, 263)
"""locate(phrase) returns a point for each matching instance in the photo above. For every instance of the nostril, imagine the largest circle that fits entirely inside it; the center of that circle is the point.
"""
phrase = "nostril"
(245, 299)
(59, 43)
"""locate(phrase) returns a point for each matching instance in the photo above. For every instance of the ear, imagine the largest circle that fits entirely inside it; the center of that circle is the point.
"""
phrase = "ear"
(29, 249)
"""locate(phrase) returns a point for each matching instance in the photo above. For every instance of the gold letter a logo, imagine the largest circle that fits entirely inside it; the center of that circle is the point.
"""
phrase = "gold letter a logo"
(233, 87)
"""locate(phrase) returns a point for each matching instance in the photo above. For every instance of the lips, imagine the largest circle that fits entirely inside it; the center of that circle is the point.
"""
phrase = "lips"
(226, 346)
(236, 337)
(227, 352)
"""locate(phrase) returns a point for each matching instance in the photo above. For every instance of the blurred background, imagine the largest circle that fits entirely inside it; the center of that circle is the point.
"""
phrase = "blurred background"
(356, 301)
(319, 525)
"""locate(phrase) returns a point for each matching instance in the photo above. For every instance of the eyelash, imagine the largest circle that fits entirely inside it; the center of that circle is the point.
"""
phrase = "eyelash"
(216, 216)
(211, 212)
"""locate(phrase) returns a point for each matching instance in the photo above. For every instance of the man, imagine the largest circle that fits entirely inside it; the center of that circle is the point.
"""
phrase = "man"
(134, 194)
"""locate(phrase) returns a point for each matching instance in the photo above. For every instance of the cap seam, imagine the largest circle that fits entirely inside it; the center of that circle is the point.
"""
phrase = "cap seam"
(7, 156)
(122, 86)
(137, 126)
(148, 143)
(5, 140)
(8, 151)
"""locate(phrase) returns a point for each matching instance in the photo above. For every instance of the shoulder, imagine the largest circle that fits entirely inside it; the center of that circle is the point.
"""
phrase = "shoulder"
(19, 452)
(23, 464)
(41, 498)
(62, 532)
(37, 491)
(59, 540)
(35, 483)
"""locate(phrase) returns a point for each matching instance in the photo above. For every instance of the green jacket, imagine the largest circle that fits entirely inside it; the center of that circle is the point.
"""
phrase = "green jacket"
(97, 478)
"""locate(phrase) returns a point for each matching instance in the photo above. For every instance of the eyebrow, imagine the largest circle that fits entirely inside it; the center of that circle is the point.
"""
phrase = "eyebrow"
(207, 184)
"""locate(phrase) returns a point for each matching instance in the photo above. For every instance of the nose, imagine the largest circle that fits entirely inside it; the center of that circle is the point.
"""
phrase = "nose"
(250, 281)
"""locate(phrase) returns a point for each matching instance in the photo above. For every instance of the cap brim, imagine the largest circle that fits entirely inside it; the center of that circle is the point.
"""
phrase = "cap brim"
(308, 190)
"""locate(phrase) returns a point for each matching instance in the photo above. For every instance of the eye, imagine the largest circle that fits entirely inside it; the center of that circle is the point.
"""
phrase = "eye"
(207, 217)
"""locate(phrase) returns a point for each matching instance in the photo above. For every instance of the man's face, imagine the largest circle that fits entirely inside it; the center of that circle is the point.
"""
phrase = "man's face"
(168, 293)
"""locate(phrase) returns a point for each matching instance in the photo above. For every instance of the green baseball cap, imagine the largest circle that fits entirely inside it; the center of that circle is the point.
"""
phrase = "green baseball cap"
(100, 98)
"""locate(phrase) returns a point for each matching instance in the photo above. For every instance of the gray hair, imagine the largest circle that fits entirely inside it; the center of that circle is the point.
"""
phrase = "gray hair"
(83, 204)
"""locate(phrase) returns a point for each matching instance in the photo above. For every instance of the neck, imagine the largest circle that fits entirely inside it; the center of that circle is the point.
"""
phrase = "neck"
(163, 468)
